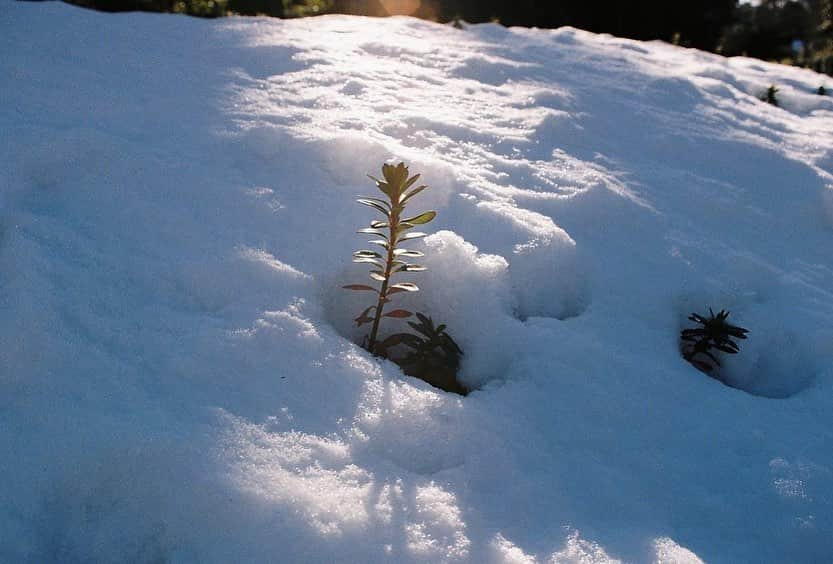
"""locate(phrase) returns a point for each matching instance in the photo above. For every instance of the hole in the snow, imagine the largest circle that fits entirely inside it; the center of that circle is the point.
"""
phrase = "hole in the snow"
(779, 366)
(383, 300)
(420, 344)
(772, 362)
(549, 279)
(467, 291)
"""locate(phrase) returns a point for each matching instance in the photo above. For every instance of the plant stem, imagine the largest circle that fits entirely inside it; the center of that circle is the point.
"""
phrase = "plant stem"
(392, 224)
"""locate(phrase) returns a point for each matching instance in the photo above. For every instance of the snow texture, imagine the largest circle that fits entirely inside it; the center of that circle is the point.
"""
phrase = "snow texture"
(179, 377)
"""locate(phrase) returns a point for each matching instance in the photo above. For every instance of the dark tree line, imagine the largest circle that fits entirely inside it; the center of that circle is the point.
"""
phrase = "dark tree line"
(214, 8)
(796, 31)
(799, 32)
(696, 22)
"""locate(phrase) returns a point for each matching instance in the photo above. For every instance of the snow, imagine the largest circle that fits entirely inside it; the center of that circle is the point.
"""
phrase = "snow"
(179, 376)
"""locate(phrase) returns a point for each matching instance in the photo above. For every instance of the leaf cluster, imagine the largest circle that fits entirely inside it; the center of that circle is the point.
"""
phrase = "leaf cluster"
(714, 333)
(433, 356)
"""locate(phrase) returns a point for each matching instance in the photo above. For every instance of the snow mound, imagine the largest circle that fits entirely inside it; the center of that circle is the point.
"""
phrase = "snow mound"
(180, 378)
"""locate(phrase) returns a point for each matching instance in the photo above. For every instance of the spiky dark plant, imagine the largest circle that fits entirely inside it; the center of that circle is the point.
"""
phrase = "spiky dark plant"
(392, 231)
(434, 356)
(770, 95)
(714, 333)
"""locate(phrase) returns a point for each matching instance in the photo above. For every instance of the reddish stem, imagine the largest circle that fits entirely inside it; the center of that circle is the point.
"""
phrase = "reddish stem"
(393, 223)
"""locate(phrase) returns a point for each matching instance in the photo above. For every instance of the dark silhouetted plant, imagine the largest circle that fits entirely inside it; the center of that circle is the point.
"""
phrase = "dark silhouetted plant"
(822, 91)
(435, 356)
(714, 333)
(770, 95)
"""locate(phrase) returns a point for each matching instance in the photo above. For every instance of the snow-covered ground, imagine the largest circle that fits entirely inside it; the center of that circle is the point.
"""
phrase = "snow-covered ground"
(179, 379)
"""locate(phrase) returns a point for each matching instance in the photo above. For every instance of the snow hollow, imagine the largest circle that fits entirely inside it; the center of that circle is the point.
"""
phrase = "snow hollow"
(179, 377)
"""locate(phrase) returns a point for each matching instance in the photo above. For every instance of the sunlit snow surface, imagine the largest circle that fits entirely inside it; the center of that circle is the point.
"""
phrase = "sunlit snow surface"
(178, 375)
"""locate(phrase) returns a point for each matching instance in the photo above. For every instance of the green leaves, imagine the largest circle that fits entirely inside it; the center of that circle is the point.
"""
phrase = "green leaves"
(407, 253)
(402, 287)
(391, 232)
(402, 226)
(372, 231)
(396, 177)
(378, 263)
(411, 181)
(434, 356)
(714, 333)
(399, 339)
(396, 183)
(421, 218)
(366, 254)
(363, 317)
(360, 287)
(410, 268)
(383, 186)
(379, 205)
(413, 192)
(412, 235)
(381, 242)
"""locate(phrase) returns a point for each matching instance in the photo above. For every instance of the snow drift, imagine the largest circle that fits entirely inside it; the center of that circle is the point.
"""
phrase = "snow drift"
(179, 379)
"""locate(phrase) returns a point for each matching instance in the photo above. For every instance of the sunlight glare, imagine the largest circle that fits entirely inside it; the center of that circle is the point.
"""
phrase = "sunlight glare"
(400, 7)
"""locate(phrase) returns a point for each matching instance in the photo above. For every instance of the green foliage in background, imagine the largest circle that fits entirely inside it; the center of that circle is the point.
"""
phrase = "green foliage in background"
(299, 8)
(214, 8)
(201, 8)
(798, 32)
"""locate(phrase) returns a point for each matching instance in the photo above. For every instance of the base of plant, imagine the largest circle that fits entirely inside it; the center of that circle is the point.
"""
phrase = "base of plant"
(432, 355)
(712, 372)
(702, 363)
(438, 376)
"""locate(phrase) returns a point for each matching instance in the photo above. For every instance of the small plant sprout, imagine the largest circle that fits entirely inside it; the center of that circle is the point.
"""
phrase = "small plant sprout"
(390, 233)
(714, 333)
(770, 95)
(434, 356)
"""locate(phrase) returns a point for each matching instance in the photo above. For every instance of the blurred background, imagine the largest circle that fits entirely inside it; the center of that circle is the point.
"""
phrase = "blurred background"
(796, 32)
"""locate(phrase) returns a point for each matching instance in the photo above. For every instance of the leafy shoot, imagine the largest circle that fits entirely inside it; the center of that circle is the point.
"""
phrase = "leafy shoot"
(714, 334)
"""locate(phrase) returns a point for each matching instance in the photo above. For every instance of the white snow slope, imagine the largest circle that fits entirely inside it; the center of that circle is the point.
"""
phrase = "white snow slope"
(179, 379)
